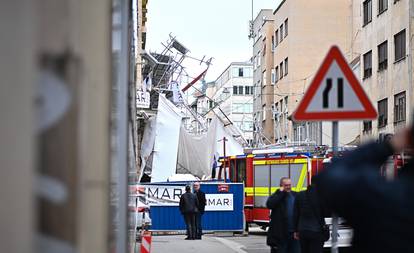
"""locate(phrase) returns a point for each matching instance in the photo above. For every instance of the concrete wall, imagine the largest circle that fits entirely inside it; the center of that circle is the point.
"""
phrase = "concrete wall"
(71, 42)
(17, 127)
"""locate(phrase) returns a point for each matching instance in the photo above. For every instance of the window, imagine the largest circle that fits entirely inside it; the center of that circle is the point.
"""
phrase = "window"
(382, 56)
(399, 107)
(367, 6)
(286, 101)
(281, 32)
(235, 90)
(368, 64)
(247, 126)
(240, 72)
(396, 1)
(242, 108)
(248, 90)
(264, 112)
(264, 48)
(210, 104)
(399, 45)
(276, 74)
(286, 27)
(286, 66)
(382, 6)
(382, 113)
(281, 70)
(281, 105)
(367, 127)
(254, 62)
(248, 107)
(264, 82)
(248, 72)
(276, 38)
(273, 43)
(273, 112)
(240, 90)
(273, 77)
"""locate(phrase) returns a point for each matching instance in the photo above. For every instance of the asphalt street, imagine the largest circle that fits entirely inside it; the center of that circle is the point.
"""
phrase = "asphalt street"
(255, 242)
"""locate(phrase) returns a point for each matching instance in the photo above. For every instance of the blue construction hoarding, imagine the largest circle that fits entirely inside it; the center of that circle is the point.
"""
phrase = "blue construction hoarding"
(224, 210)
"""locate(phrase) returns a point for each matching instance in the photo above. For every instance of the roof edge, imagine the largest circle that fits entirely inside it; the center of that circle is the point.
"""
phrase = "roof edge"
(280, 6)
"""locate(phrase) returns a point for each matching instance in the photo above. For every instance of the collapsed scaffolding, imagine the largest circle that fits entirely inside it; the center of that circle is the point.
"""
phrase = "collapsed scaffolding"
(165, 75)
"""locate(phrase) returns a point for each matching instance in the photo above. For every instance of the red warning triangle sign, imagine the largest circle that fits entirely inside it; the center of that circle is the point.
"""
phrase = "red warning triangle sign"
(334, 94)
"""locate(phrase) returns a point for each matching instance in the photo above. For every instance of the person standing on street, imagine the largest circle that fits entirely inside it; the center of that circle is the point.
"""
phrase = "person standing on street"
(280, 235)
(380, 211)
(188, 208)
(309, 221)
(201, 197)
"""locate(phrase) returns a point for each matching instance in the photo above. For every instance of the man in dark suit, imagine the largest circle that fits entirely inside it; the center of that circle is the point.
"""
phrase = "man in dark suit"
(189, 209)
(280, 236)
(201, 197)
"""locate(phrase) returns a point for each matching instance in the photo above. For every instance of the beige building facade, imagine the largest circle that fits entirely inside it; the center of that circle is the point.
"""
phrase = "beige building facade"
(263, 78)
(386, 63)
(304, 32)
(301, 33)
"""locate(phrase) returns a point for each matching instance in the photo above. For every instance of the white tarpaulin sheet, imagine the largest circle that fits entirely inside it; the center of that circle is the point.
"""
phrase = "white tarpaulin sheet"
(166, 141)
(148, 140)
(196, 152)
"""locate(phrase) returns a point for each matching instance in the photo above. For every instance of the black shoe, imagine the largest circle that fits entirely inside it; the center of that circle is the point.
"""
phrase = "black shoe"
(198, 238)
(188, 238)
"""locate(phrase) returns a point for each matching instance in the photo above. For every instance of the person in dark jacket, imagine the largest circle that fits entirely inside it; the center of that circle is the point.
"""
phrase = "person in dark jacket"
(281, 228)
(201, 197)
(188, 208)
(380, 211)
(309, 221)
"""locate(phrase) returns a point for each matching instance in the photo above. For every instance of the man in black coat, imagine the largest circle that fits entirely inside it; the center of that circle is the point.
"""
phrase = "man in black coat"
(380, 211)
(309, 221)
(201, 197)
(280, 235)
(188, 208)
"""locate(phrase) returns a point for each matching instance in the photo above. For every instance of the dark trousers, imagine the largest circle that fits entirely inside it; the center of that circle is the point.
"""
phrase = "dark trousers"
(311, 242)
(199, 229)
(190, 222)
(290, 245)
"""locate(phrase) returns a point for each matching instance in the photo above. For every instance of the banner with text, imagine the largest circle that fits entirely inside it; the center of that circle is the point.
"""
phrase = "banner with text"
(219, 202)
(158, 194)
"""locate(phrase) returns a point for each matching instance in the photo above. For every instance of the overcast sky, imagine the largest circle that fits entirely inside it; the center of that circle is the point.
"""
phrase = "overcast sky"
(211, 28)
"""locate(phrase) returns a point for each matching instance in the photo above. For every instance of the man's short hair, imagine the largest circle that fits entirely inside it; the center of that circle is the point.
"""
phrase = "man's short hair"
(187, 188)
(283, 179)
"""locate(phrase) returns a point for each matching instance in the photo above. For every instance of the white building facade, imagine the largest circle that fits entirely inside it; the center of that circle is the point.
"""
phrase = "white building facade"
(234, 96)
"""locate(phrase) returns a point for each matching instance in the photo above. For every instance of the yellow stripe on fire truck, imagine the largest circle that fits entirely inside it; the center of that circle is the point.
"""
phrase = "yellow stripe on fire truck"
(280, 161)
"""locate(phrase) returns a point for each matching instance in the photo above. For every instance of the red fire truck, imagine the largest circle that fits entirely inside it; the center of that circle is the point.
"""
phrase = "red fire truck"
(261, 170)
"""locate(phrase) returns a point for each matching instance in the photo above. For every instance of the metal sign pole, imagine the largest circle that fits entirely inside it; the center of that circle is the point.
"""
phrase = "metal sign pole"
(335, 138)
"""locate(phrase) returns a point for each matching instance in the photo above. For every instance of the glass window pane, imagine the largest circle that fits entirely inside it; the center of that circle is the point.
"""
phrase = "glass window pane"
(295, 171)
(277, 172)
(261, 185)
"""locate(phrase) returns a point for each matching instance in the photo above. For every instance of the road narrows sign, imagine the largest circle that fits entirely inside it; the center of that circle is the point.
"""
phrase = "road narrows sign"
(334, 94)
